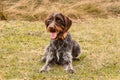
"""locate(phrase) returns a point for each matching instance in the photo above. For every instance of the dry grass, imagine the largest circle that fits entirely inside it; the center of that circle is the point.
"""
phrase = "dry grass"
(22, 43)
(76, 9)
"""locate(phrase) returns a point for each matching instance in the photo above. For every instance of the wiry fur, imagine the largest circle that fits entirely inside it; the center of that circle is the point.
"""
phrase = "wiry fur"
(62, 52)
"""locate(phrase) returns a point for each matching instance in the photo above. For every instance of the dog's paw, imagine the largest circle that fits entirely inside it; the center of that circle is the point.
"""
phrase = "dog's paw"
(43, 59)
(70, 71)
(42, 70)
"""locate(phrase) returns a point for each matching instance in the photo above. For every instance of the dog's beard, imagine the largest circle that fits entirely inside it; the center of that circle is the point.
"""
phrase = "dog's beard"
(55, 33)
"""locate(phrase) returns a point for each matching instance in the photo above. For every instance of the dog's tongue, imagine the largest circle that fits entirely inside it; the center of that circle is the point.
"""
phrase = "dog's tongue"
(53, 35)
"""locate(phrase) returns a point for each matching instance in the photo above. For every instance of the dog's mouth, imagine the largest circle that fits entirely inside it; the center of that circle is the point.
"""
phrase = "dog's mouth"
(53, 35)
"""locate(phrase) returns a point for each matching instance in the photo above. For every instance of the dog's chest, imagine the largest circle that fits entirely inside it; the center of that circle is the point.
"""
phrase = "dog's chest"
(58, 57)
(59, 46)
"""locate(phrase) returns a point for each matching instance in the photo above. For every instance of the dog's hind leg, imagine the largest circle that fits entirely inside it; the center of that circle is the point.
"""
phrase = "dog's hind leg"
(76, 51)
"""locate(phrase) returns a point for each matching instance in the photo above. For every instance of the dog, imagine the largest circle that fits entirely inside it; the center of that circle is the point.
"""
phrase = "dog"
(62, 48)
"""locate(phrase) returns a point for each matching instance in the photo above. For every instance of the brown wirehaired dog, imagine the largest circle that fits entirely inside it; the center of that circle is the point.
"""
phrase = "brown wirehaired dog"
(62, 48)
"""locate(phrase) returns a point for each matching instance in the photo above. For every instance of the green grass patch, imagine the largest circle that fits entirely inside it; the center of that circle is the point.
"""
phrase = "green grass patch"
(22, 44)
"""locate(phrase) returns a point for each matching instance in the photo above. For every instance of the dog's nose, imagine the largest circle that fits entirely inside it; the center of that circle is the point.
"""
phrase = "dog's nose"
(51, 29)
(51, 25)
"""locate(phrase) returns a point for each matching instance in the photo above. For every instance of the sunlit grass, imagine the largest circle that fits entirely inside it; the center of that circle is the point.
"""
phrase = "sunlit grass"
(22, 44)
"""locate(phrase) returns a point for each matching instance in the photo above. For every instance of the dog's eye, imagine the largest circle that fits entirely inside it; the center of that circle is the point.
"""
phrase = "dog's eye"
(58, 20)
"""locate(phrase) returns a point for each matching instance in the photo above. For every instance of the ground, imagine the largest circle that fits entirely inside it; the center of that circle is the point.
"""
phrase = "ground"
(22, 44)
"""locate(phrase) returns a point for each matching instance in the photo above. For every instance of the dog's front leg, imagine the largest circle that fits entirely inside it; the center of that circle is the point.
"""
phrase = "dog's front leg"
(46, 67)
(68, 62)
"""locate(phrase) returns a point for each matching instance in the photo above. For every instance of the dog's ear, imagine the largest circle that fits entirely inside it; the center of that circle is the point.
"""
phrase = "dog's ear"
(68, 23)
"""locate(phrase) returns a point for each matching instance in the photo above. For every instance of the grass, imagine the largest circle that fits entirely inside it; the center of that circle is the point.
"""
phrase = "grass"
(22, 44)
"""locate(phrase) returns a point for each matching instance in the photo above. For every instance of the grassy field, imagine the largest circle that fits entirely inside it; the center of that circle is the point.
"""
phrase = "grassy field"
(22, 44)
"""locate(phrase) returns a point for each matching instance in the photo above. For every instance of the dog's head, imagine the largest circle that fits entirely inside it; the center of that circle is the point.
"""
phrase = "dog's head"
(58, 25)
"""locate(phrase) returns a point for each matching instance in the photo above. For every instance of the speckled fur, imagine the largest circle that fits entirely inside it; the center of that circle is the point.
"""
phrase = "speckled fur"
(63, 49)
(61, 52)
